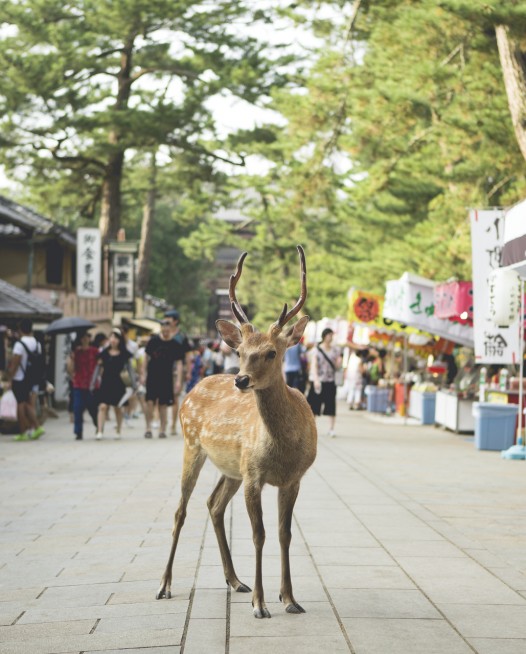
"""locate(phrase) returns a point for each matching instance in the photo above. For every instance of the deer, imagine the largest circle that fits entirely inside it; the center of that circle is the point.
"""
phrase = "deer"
(256, 430)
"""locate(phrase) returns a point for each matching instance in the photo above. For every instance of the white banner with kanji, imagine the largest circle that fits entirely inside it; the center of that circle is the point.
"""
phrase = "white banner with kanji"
(497, 345)
(88, 262)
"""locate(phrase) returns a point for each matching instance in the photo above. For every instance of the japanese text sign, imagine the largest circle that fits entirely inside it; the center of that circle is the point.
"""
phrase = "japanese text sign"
(493, 344)
(88, 262)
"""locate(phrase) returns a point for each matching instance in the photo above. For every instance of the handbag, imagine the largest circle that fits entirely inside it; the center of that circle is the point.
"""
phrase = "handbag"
(338, 374)
(125, 378)
(8, 406)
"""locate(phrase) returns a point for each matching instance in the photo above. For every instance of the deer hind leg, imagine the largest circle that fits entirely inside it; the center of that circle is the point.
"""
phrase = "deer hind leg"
(193, 460)
(286, 500)
(255, 513)
(217, 503)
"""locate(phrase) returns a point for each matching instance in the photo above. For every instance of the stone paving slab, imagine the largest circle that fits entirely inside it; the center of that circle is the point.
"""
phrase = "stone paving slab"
(405, 540)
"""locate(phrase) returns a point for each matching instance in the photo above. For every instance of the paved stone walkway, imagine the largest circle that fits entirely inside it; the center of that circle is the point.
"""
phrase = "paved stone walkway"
(406, 540)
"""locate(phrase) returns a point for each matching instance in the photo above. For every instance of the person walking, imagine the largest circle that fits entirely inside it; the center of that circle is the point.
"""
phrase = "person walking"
(325, 360)
(112, 361)
(81, 365)
(173, 318)
(354, 376)
(293, 366)
(162, 354)
(21, 385)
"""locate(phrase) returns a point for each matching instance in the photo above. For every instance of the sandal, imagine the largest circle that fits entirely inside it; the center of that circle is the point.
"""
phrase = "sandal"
(148, 434)
(162, 435)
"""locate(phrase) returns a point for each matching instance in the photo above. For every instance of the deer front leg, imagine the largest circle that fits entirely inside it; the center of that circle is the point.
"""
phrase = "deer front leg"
(217, 503)
(255, 513)
(286, 500)
(193, 461)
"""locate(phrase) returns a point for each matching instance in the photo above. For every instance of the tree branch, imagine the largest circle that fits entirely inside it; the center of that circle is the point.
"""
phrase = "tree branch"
(199, 149)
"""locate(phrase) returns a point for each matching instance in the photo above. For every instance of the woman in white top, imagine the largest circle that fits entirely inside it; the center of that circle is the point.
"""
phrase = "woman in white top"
(325, 360)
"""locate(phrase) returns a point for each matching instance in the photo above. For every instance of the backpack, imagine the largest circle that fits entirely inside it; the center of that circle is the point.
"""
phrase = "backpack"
(35, 370)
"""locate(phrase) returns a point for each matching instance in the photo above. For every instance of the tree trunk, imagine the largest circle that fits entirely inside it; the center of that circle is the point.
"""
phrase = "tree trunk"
(148, 216)
(513, 69)
(110, 213)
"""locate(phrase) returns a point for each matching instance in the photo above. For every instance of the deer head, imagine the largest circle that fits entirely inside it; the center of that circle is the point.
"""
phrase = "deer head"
(261, 355)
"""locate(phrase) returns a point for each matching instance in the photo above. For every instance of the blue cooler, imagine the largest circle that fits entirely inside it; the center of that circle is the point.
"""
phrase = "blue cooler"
(377, 399)
(494, 425)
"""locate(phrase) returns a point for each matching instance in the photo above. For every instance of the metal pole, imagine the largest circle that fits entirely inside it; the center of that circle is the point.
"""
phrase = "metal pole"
(521, 359)
(406, 404)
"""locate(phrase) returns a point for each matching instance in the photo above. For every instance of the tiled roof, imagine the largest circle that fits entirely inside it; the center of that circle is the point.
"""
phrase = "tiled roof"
(17, 220)
(16, 303)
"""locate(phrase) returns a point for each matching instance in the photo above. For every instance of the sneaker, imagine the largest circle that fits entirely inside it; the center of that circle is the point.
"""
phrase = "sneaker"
(162, 435)
(98, 435)
(37, 433)
(148, 434)
(78, 437)
(331, 433)
(21, 437)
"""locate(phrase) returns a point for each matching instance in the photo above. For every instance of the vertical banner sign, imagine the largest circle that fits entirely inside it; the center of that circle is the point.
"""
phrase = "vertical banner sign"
(88, 262)
(493, 344)
(123, 281)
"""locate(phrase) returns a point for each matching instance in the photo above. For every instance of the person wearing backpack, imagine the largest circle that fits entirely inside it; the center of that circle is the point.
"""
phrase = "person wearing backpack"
(24, 371)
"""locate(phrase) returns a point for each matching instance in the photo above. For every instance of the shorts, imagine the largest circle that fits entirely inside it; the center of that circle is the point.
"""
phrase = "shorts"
(325, 399)
(162, 392)
(21, 390)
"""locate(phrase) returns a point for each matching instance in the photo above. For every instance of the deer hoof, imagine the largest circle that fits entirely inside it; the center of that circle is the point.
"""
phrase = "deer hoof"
(294, 608)
(262, 613)
(163, 593)
(239, 587)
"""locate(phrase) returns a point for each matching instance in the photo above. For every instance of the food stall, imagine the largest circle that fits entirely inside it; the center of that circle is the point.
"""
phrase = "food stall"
(410, 300)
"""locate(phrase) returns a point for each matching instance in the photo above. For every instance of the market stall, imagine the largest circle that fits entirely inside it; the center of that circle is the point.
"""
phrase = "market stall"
(411, 300)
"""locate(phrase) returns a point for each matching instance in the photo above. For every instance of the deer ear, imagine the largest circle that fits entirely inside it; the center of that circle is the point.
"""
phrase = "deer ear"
(230, 333)
(294, 334)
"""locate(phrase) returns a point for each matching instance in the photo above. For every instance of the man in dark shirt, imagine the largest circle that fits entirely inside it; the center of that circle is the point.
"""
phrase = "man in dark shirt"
(161, 353)
(173, 317)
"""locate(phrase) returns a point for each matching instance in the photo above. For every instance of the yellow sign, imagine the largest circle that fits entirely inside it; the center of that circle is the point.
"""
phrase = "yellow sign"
(367, 309)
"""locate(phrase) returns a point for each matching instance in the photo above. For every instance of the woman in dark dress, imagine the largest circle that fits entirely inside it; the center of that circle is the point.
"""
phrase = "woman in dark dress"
(113, 359)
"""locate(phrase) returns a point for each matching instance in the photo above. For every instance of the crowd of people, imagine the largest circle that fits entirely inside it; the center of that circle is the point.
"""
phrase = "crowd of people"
(114, 374)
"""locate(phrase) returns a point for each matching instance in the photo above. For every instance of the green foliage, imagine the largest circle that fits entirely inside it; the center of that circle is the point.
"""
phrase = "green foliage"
(391, 130)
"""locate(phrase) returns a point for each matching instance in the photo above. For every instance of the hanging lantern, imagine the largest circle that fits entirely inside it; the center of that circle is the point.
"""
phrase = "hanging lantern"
(504, 296)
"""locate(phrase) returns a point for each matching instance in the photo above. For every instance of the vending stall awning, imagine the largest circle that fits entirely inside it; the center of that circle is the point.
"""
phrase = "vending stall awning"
(454, 301)
(514, 247)
(410, 300)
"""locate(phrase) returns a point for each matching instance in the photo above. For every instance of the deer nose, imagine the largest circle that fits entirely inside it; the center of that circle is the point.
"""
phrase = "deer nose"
(242, 381)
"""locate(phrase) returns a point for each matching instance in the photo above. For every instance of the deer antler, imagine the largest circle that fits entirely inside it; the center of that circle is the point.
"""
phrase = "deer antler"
(236, 307)
(284, 316)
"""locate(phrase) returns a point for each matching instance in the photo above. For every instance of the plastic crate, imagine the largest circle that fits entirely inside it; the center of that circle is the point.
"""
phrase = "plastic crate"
(494, 425)
(377, 399)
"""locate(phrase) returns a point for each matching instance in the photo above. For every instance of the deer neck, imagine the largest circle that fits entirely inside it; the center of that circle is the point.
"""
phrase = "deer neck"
(273, 407)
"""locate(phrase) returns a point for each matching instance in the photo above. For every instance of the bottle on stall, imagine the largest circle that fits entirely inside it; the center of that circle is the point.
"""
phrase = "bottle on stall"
(503, 380)
(483, 384)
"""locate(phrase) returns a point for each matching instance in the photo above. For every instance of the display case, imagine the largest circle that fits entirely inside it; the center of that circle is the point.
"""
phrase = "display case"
(454, 412)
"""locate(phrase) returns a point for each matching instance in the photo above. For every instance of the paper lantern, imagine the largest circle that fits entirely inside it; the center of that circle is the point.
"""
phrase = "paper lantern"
(504, 296)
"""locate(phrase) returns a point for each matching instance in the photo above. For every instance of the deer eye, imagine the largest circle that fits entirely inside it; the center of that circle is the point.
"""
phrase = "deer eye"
(270, 355)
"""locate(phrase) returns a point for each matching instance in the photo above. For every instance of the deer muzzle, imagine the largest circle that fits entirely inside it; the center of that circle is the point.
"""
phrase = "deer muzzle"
(242, 381)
